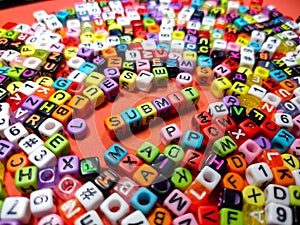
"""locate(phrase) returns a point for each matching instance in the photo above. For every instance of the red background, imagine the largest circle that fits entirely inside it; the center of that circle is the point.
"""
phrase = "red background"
(97, 140)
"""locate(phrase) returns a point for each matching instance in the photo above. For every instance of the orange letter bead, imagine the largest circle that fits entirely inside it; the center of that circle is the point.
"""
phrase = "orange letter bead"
(236, 164)
(283, 176)
(17, 161)
(160, 216)
(81, 106)
(70, 210)
(115, 125)
(272, 157)
(145, 175)
(63, 114)
(233, 181)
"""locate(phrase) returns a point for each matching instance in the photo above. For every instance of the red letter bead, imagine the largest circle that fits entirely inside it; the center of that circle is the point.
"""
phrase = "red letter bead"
(70, 210)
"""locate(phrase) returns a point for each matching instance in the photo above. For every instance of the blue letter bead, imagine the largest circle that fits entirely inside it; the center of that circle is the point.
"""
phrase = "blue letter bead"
(132, 118)
(88, 68)
(62, 83)
(282, 140)
(114, 155)
(143, 200)
(192, 140)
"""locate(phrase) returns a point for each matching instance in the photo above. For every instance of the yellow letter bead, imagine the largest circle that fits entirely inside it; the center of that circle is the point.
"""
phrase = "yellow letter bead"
(254, 215)
(45, 81)
(27, 50)
(254, 79)
(95, 95)
(13, 87)
(60, 97)
(99, 37)
(70, 52)
(190, 55)
(127, 80)
(87, 37)
(178, 35)
(147, 111)
(290, 161)
(220, 86)
(245, 71)
(238, 90)
(115, 126)
(261, 72)
(62, 114)
(94, 78)
(253, 195)
(249, 101)
(2, 31)
(294, 195)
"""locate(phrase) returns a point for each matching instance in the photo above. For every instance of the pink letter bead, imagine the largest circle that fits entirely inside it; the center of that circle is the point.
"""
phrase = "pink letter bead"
(185, 219)
(136, 217)
(184, 80)
(177, 202)
(16, 208)
(51, 219)
(89, 196)
(42, 202)
(296, 126)
(170, 134)
(295, 148)
(250, 150)
(90, 217)
(259, 174)
(114, 208)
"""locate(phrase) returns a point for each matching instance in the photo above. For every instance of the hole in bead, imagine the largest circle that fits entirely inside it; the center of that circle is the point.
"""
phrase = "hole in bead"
(208, 177)
(251, 147)
(47, 175)
(272, 98)
(162, 185)
(67, 185)
(50, 126)
(143, 199)
(32, 61)
(114, 205)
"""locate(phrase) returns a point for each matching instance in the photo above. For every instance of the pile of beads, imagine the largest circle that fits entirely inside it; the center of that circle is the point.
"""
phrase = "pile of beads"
(55, 72)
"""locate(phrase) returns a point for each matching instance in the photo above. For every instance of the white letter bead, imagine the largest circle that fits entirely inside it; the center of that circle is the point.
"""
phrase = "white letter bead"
(42, 202)
(209, 178)
(15, 133)
(217, 109)
(49, 127)
(16, 208)
(4, 123)
(42, 157)
(5, 108)
(89, 218)
(277, 194)
(113, 202)
(144, 81)
(284, 120)
(259, 174)
(30, 143)
(278, 214)
(33, 62)
(28, 88)
(272, 99)
(136, 217)
(75, 62)
(89, 196)
(296, 175)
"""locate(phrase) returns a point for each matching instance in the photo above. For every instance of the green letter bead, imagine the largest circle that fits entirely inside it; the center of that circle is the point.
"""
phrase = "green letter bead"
(147, 152)
(58, 144)
(224, 146)
(191, 95)
(3, 193)
(294, 195)
(231, 217)
(181, 178)
(26, 179)
(15, 72)
(11, 34)
(161, 76)
(174, 152)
